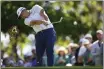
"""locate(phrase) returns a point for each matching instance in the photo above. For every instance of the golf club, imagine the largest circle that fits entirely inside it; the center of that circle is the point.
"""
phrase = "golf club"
(58, 21)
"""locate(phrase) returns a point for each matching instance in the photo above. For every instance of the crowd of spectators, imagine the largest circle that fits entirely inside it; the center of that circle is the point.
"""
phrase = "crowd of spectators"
(85, 53)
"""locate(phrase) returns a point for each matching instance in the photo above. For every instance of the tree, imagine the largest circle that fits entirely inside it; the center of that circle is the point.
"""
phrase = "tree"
(80, 17)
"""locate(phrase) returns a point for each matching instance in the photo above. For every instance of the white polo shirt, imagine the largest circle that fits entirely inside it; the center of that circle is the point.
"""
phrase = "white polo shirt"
(35, 15)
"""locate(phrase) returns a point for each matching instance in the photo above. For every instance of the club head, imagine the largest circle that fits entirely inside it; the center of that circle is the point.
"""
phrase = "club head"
(61, 19)
(58, 21)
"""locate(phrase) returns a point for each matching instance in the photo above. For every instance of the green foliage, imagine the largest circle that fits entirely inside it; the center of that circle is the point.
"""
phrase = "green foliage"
(87, 14)
(62, 42)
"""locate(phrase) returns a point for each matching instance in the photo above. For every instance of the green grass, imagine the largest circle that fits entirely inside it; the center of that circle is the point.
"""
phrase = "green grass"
(59, 67)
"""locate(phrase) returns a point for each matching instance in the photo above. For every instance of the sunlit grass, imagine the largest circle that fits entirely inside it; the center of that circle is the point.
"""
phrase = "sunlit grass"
(58, 67)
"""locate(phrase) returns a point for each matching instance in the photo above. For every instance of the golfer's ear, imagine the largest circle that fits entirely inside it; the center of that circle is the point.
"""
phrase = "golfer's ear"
(43, 14)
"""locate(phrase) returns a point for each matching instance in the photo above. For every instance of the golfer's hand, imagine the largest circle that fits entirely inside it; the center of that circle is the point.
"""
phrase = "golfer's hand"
(45, 22)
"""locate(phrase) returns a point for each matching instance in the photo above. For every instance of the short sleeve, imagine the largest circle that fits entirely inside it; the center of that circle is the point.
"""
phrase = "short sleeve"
(36, 9)
(27, 22)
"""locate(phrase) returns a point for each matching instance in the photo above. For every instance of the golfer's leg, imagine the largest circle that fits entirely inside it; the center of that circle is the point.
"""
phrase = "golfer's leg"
(49, 49)
(39, 50)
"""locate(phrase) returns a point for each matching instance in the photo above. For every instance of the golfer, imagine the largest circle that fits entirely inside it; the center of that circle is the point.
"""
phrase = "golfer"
(45, 34)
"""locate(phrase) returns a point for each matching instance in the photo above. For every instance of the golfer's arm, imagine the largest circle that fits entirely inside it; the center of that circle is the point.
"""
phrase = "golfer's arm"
(43, 14)
(36, 22)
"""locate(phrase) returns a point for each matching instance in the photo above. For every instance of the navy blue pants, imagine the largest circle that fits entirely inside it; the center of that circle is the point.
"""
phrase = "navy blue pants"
(45, 41)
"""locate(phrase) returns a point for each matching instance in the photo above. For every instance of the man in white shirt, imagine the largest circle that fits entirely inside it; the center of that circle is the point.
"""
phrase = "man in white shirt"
(45, 33)
(97, 49)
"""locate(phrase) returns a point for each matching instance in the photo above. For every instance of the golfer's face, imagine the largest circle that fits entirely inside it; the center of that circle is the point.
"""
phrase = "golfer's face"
(24, 14)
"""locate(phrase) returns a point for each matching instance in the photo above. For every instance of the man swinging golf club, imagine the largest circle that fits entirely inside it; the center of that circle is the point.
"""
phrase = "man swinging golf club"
(45, 34)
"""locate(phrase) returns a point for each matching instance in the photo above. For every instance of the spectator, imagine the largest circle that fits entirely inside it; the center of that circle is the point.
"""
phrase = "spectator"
(5, 62)
(84, 55)
(33, 57)
(89, 37)
(97, 49)
(71, 58)
(20, 63)
(77, 52)
(8, 62)
(2, 63)
(61, 60)
(28, 60)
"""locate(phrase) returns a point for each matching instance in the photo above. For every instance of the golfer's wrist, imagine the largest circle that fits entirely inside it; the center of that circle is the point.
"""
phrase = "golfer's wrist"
(45, 22)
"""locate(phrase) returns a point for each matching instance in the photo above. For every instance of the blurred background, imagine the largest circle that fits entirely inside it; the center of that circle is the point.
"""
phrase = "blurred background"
(79, 18)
